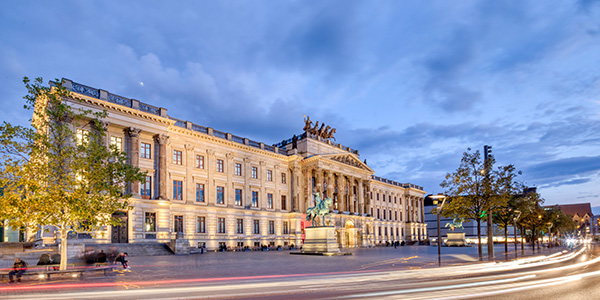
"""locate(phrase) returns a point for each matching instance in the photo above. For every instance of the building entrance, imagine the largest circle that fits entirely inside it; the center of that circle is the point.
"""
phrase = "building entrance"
(119, 233)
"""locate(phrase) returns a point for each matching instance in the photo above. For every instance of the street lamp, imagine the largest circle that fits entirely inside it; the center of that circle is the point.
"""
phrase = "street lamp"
(518, 212)
(436, 199)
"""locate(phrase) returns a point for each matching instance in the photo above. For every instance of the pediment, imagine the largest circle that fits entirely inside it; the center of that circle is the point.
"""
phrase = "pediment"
(348, 159)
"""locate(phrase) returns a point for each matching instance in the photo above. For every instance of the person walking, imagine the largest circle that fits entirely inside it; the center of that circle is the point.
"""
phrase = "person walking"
(18, 269)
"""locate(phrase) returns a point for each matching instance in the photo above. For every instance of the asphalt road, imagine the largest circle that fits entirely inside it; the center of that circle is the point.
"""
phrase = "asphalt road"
(378, 273)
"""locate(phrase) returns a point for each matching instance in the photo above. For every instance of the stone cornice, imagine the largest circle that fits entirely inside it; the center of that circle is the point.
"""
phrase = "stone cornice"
(120, 108)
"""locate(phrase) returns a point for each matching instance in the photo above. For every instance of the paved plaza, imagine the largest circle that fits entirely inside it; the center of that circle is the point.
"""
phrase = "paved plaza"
(264, 263)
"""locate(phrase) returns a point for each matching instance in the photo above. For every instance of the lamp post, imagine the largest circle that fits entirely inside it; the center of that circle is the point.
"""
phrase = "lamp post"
(518, 212)
(436, 198)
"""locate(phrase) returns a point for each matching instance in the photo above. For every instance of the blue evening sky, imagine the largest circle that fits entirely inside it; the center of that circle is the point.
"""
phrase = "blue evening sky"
(410, 84)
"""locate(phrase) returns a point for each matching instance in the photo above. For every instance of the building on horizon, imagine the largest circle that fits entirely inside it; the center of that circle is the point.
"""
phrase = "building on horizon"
(216, 189)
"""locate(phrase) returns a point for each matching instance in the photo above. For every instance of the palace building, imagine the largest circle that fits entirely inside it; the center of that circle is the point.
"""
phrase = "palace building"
(211, 188)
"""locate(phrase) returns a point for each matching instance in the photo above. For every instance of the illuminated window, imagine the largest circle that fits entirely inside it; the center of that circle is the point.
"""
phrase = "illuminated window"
(200, 192)
(82, 136)
(256, 227)
(271, 227)
(254, 199)
(145, 150)
(146, 188)
(220, 195)
(177, 223)
(238, 197)
(269, 200)
(286, 227)
(269, 175)
(150, 222)
(201, 225)
(220, 166)
(177, 157)
(240, 226)
(177, 189)
(199, 161)
(117, 142)
(220, 225)
(238, 169)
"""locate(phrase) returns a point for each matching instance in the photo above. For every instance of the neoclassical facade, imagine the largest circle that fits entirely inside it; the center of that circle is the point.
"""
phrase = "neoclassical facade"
(217, 189)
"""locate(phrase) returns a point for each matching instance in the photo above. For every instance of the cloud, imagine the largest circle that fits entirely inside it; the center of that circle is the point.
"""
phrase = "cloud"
(567, 171)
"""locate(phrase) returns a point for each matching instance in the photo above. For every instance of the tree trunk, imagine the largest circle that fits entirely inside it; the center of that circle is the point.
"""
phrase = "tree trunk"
(63, 247)
(506, 239)
(522, 244)
(533, 239)
(479, 237)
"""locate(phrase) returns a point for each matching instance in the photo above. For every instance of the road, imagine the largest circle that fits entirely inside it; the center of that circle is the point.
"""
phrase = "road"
(563, 275)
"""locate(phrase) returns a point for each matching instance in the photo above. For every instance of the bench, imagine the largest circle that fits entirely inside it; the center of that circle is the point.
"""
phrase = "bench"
(77, 272)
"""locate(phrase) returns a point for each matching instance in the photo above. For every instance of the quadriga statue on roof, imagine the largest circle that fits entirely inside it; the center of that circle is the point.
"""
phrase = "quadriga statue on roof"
(324, 131)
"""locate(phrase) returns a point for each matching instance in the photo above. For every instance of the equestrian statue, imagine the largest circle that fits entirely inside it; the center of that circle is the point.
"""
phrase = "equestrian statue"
(321, 208)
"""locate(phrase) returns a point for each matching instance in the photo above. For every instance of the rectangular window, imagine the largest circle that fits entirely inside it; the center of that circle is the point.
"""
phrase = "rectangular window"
(150, 222)
(269, 175)
(220, 166)
(201, 225)
(240, 226)
(283, 202)
(177, 223)
(177, 189)
(220, 195)
(117, 142)
(271, 227)
(200, 192)
(286, 227)
(238, 169)
(256, 227)
(269, 200)
(254, 199)
(177, 157)
(199, 161)
(254, 172)
(283, 179)
(145, 150)
(146, 188)
(220, 225)
(384, 214)
(82, 136)
(238, 197)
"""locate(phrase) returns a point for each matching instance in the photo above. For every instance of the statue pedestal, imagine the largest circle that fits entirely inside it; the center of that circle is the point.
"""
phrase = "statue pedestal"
(456, 239)
(321, 241)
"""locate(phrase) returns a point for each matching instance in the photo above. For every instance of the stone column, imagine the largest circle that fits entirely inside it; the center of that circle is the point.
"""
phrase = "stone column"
(188, 185)
(211, 189)
(330, 185)
(277, 194)
(262, 194)
(361, 197)
(134, 156)
(319, 180)
(229, 190)
(296, 190)
(162, 141)
(247, 193)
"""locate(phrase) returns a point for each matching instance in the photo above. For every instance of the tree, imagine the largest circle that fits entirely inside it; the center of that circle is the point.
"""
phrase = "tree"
(59, 172)
(465, 189)
(475, 189)
(509, 194)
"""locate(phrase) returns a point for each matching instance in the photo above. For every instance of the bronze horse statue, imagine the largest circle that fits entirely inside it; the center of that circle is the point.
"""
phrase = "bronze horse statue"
(321, 208)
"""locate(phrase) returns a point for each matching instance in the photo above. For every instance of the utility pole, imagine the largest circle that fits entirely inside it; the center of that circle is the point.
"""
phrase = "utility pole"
(487, 153)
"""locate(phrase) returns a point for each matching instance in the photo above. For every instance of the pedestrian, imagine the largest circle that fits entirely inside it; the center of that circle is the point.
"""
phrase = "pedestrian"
(18, 269)
(101, 257)
(122, 259)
